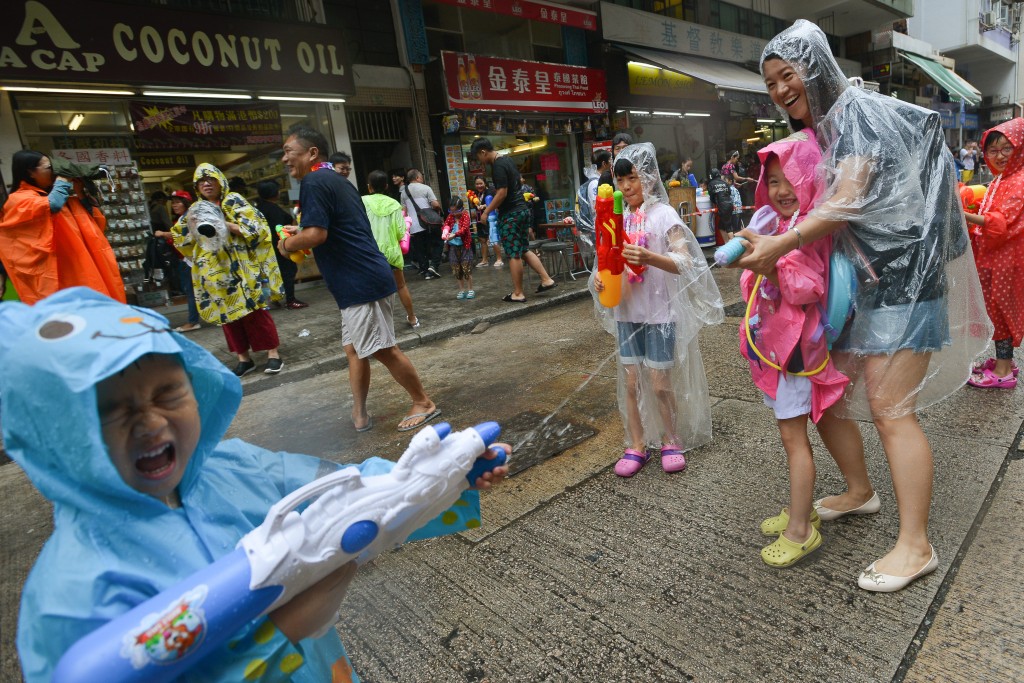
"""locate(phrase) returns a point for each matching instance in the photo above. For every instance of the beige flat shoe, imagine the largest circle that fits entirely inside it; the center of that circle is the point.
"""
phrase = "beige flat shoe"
(873, 505)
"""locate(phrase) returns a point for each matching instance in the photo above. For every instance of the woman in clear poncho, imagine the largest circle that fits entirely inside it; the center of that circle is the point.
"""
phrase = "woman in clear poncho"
(920, 319)
(662, 387)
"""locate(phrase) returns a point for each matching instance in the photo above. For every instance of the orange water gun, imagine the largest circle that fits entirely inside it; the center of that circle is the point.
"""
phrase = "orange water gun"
(971, 197)
(297, 257)
(474, 201)
(610, 239)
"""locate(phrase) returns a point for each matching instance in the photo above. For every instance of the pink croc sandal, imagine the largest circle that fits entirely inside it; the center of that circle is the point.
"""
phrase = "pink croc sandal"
(631, 462)
(990, 364)
(989, 380)
(672, 458)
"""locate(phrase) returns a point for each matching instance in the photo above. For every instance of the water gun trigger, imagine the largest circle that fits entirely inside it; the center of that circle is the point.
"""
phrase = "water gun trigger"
(484, 465)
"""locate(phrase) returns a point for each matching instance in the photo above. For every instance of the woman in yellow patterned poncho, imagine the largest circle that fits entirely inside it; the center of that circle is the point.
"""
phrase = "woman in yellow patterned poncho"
(228, 281)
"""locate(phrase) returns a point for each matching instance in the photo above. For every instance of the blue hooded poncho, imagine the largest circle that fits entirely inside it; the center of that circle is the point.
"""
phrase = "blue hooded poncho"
(114, 547)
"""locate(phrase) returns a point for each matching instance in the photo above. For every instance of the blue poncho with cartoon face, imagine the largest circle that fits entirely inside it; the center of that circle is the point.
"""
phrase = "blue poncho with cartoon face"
(114, 547)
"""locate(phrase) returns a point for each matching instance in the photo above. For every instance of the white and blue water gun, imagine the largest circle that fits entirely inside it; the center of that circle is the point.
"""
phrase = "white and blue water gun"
(351, 517)
(764, 222)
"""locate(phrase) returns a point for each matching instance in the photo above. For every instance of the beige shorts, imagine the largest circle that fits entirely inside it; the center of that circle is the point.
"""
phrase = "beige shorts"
(369, 327)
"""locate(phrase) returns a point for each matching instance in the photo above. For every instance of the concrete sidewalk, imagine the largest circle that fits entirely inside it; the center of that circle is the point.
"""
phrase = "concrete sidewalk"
(311, 337)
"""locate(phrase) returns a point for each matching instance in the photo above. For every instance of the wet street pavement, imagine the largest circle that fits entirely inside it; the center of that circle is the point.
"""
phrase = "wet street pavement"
(579, 575)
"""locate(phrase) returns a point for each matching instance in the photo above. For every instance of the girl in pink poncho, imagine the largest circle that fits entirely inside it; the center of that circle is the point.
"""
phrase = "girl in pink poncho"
(784, 328)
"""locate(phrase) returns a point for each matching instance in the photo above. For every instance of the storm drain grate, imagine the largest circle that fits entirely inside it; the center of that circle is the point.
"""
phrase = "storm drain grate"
(534, 442)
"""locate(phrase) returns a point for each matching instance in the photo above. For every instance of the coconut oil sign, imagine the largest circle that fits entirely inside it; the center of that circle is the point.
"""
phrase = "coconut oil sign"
(101, 42)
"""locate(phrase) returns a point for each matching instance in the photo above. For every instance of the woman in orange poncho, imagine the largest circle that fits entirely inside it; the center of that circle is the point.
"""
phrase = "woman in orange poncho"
(49, 238)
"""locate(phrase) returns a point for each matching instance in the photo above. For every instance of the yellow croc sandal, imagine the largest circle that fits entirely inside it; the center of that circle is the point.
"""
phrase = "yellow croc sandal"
(784, 552)
(773, 526)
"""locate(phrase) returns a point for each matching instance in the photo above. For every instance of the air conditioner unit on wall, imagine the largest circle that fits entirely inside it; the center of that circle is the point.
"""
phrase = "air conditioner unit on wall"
(990, 18)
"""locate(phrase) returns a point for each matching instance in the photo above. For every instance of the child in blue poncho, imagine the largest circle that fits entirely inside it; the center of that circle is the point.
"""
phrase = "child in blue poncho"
(144, 491)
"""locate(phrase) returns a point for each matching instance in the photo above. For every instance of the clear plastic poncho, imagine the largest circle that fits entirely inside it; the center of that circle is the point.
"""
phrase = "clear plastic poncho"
(889, 175)
(584, 213)
(671, 394)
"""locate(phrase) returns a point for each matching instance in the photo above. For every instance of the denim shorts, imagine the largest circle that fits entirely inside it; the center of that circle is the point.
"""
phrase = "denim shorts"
(922, 327)
(650, 344)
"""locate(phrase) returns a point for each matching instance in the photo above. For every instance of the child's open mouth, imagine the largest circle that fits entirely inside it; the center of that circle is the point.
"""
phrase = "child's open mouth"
(156, 463)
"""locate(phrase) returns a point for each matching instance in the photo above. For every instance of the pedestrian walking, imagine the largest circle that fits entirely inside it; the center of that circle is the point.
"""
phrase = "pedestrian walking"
(424, 211)
(334, 225)
(514, 220)
(388, 225)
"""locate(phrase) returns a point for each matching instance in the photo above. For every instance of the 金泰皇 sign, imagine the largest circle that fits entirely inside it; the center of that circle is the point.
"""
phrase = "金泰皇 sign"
(480, 82)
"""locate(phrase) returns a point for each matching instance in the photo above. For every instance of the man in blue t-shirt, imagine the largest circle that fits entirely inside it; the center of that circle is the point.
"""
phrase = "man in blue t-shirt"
(334, 225)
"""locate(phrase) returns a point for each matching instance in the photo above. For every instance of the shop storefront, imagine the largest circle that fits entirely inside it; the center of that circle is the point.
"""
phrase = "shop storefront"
(689, 89)
(541, 115)
(153, 96)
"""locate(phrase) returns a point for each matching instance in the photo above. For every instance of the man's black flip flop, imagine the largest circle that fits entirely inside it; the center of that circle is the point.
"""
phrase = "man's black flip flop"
(508, 297)
(544, 288)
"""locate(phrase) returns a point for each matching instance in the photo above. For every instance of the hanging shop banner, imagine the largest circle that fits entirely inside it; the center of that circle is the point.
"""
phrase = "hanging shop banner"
(535, 10)
(645, 79)
(635, 27)
(112, 156)
(204, 126)
(160, 162)
(479, 82)
(105, 42)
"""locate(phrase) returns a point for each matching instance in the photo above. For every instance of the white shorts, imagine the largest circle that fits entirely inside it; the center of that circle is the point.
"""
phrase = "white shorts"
(369, 327)
(792, 397)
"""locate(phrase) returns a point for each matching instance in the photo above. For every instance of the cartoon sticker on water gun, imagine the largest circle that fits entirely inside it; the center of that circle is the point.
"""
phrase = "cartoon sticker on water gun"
(344, 517)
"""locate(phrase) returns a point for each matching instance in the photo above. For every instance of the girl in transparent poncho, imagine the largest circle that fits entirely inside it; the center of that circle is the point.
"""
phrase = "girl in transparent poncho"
(920, 318)
(662, 388)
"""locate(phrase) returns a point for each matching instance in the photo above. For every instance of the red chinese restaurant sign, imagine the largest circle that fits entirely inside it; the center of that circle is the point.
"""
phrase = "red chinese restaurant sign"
(536, 10)
(479, 82)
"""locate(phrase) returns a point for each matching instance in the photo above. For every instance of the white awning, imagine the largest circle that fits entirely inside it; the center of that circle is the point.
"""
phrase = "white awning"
(723, 75)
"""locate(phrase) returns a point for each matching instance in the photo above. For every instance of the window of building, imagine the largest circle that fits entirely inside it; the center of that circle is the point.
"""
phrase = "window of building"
(368, 30)
(676, 9)
(254, 9)
(498, 35)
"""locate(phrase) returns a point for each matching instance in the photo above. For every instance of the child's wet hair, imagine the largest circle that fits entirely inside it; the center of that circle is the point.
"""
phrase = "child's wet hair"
(456, 204)
(623, 167)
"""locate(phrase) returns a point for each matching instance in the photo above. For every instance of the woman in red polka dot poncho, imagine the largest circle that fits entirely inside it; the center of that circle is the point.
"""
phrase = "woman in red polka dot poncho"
(999, 251)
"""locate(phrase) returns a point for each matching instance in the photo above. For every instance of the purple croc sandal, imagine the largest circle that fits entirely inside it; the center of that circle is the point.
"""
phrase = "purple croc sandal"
(672, 458)
(631, 462)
